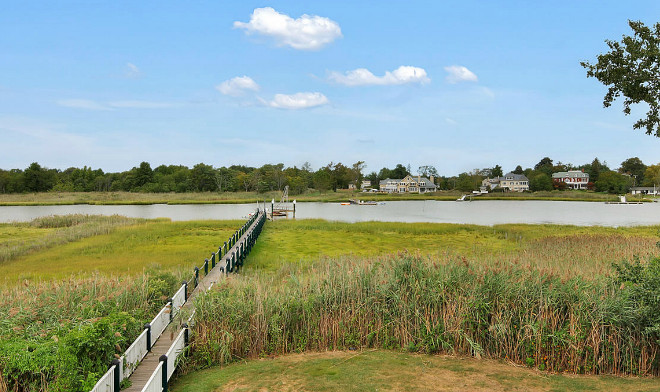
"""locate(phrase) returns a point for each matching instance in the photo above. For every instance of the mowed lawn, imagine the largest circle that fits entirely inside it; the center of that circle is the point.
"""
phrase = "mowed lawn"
(127, 250)
(377, 370)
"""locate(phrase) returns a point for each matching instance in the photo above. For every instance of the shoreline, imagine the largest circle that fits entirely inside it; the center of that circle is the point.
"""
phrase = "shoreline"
(126, 198)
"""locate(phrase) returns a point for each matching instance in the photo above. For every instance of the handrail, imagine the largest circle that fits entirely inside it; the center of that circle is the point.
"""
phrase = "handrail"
(154, 384)
(127, 364)
(107, 381)
(134, 354)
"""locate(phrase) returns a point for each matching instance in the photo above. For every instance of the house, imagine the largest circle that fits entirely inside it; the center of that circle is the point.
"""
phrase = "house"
(645, 190)
(409, 184)
(366, 184)
(510, 182)
(574, 179)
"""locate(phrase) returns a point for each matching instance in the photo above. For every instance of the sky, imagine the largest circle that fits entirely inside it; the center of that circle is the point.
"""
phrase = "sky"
(456, 85)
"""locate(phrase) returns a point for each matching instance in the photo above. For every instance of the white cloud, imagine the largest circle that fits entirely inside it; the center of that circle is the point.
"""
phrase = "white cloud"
(132, 71)
(297, 101)
(141, 104)
(82, 104)
(458, 73)
(305, 33)
(363, 77)
(237, 86)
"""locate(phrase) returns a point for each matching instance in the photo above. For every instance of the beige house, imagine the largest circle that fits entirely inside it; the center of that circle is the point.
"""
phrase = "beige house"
(511, 182)
(408, 184)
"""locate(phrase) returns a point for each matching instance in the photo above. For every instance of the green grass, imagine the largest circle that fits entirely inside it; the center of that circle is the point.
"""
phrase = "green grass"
(373, 370)
(127, 250)
(20, 239)
(568, 250)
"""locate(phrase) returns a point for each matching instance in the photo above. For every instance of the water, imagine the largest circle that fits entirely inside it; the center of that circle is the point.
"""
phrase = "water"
(477, 212)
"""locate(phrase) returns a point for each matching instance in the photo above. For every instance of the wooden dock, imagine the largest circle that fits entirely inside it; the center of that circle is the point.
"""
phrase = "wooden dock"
(148, 365)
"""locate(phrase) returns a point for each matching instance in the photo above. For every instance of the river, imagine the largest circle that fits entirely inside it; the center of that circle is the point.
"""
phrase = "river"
(477, 212)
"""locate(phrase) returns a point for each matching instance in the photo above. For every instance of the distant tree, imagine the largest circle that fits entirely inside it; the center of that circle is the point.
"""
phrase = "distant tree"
(468, 182)
(497, 171)
(539, 181)
(203, 178)
(38, 179)
(612, 182)
(399, 171)
(427, 171)
(634, 167)
(652, 175)
(322, 179)
(631, 69)
(545, 166)
(356, 169)
(594, 169)
(143, 174)
(518, 170)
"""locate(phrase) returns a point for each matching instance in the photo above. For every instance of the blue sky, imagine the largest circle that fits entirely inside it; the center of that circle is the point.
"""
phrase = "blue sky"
(457, 85)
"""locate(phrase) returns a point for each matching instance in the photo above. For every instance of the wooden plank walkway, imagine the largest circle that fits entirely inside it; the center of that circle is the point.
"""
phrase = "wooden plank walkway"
(148, 365)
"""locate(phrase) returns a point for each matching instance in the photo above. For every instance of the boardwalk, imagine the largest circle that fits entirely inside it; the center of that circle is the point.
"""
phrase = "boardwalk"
(146, 368)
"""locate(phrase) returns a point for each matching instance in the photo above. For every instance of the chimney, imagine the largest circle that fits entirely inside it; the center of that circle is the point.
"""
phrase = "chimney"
(432, 179)
(419, 179)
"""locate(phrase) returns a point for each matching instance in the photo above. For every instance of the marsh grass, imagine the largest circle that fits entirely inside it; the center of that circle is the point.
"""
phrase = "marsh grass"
(20, 239)
(565, 250)
(432, 305)
(125, 250)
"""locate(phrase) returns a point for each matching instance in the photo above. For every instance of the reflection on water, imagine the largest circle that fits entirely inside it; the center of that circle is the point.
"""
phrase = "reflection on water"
(477, 212)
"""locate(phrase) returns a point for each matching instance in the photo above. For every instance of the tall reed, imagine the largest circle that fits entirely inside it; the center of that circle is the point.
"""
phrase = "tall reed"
(425, 304)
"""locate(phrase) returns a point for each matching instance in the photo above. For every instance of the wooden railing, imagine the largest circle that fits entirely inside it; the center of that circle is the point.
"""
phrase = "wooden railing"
(122, 368)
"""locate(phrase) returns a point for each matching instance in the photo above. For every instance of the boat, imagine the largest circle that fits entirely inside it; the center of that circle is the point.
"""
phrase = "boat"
(346, 204)
(363, 203)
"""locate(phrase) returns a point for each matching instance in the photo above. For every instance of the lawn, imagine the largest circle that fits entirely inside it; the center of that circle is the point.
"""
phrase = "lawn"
(377, 370)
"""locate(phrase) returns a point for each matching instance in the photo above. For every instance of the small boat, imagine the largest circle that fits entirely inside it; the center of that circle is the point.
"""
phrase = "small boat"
(363, 203)
(346, 204)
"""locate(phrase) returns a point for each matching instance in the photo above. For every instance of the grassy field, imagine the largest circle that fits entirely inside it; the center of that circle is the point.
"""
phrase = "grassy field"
(375, 370)
(565, 250)
(107, 274)
(126, 250)
(67, 198)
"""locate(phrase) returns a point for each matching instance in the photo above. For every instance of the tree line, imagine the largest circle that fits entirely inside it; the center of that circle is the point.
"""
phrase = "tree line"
(274, 177)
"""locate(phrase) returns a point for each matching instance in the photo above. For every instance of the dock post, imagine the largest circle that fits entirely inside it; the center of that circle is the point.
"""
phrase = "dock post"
(115, 374)
(147, 326)
(163, 359)
(294, 209)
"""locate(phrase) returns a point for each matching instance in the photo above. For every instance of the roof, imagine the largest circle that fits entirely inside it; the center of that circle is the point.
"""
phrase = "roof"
(512, 176)
(571, 174)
